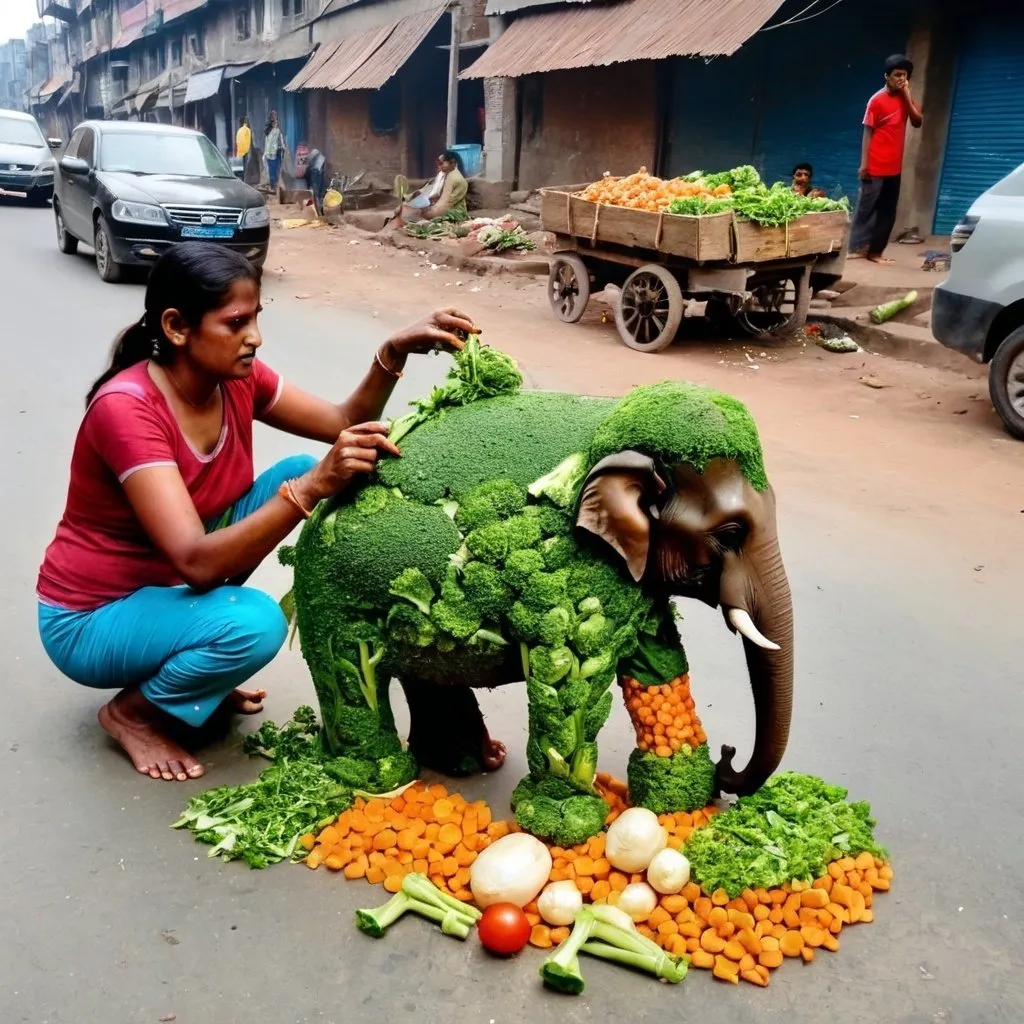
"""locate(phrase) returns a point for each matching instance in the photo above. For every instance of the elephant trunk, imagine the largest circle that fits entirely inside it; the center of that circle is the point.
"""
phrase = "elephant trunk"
(762, 589)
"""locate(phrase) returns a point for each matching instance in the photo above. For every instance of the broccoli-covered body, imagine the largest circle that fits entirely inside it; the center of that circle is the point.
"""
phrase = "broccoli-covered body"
(458, 565)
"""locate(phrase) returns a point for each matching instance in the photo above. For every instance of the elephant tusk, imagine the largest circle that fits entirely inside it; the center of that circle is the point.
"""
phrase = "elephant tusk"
(744, 625)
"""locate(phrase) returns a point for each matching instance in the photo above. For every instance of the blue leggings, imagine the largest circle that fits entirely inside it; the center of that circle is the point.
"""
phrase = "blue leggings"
(185, 651)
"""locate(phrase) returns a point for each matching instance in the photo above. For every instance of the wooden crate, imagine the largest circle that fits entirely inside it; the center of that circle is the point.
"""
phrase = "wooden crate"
(815, 234)
(704, 239)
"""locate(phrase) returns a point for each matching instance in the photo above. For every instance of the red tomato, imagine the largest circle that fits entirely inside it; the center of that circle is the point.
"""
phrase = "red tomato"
(504, 929)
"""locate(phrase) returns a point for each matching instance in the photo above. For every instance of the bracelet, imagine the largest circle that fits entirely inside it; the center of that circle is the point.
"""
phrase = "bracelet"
(397, 374)
(285, 491)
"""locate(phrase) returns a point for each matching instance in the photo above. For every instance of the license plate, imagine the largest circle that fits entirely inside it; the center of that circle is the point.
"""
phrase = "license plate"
(207, 232)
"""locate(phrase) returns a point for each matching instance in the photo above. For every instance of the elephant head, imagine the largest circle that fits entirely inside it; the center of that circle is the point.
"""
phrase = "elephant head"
(701, 528)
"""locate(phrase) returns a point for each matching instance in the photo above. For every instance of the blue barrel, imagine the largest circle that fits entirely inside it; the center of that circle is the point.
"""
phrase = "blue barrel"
(472, 157)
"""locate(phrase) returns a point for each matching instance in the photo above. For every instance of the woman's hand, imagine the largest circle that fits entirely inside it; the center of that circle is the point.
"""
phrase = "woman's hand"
(355, 452)
(437, 331)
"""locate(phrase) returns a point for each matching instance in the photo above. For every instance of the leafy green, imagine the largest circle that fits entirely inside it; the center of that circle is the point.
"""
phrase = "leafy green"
(791, 828)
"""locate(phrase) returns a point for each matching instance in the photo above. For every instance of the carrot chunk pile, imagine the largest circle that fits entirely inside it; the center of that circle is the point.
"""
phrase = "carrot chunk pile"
(440, 834)
(664, 717)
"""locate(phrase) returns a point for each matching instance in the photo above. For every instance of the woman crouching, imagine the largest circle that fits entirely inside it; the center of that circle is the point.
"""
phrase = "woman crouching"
(141, 589)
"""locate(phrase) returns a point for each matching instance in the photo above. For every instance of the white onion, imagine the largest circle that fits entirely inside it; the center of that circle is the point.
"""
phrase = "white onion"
(511, 870)
(633, 839)
(560, 902)
(638, 900)
(669, 871)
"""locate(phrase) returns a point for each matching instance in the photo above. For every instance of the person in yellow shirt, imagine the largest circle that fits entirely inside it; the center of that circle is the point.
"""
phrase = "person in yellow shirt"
(243, 139)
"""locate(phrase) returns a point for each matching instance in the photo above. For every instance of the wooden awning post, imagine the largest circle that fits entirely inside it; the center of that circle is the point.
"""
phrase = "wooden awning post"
(453, 78)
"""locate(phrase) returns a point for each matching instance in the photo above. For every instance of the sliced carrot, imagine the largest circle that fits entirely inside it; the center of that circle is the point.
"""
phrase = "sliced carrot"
(754, 978)
(770, 958)
(540, 936)
(726, 970)
(791, 943)
(703, 959)
(449, 866)
(560, 934)
(374, 874)
(386, 839)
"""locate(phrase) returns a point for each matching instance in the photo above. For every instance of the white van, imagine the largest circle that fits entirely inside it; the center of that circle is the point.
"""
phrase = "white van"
(26, 163)
(979, 308)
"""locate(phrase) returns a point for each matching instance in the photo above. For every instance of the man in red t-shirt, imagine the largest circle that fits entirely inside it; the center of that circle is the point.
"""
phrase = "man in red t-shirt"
(881, 161)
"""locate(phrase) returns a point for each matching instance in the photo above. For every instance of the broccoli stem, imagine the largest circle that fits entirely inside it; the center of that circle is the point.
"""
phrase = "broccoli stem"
(610, 941)
(404, 425)
(452, 921)
(419, 887)
(524, 654)
(368, 673)
(561, 970)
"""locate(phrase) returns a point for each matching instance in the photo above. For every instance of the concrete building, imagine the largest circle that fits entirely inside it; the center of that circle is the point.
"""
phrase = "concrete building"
(13, 74)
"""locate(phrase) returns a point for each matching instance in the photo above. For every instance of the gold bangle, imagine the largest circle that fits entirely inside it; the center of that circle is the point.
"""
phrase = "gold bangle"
(285, 491)
(397, 374)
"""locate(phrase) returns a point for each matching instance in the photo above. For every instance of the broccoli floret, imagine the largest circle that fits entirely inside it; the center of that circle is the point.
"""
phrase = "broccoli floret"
(660, 658)
(553, 521)
(545, 711)
(456, 618)
(550, 664)
(561, 485)
(371, 500)
(558, 552)
(415, 587)
(525, 622)
(520, 566)
(544, 590)
(593, 635)
(574, 694)
(596, 715)
(589, 606)
(489, 503)
(567, 822)
(408, 625)
(485, 589)
(394, 770)
(621, 599)
(683, 782)
(681, 422)
(554, 626)
(523, 532)
(489, 543)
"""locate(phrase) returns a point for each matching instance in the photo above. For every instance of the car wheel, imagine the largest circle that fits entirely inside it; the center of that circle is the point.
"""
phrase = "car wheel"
(110, 270)
(1006, 382)
(67, 243)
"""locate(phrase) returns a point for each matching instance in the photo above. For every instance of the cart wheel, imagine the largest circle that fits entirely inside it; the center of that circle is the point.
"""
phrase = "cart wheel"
(568, 287)
(780, 307)
(650, 309)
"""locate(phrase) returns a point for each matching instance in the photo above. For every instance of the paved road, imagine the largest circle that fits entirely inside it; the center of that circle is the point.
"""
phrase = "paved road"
(909, 693)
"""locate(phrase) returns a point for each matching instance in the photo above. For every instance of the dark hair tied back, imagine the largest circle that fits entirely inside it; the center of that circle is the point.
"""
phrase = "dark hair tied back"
(193, 278)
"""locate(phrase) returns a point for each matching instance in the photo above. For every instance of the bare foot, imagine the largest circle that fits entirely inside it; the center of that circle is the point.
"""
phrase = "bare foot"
(492, 753)
(881, 261)
(134, 724)
(245, 702)
(856, 256)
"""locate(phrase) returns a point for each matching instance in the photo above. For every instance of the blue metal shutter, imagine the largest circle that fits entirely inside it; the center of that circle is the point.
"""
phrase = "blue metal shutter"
(819, 78)
(986, 129)
(792, 94)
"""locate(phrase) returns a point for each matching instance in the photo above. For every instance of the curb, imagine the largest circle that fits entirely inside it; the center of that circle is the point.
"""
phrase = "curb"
(878, 341)
(535, 266)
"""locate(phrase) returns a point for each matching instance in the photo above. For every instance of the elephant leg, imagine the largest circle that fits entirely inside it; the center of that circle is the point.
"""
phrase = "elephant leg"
(447, 731)
(671, 769)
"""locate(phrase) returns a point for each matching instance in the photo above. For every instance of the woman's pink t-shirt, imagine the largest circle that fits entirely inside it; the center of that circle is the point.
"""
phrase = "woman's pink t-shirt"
(101, 552)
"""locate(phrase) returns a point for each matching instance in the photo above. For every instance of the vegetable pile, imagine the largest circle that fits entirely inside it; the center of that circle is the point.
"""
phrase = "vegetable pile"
(640, 894)
(495, 234)
(698, 194)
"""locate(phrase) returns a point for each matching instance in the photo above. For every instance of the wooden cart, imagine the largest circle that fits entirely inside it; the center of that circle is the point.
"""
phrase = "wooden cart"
(667, 266)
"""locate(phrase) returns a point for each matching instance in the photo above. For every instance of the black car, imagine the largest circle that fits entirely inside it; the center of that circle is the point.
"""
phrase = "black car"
(131, 190)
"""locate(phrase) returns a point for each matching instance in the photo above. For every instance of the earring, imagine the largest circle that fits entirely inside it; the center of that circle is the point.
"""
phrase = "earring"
(156, 348)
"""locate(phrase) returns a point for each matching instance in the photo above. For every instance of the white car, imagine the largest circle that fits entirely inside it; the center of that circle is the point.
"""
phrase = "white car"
(979, 308)
(26, 163)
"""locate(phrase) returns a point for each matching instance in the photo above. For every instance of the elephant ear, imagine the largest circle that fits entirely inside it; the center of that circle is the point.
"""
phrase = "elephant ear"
(614, 506)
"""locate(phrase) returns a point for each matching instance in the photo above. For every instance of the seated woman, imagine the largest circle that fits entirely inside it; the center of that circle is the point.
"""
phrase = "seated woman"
(141, 589)
(444, 196)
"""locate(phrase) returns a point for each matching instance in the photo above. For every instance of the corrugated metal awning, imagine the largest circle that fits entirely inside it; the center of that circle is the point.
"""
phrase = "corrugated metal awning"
(204, 84)
(293, 46)
(511, 6)
(594, 36)
(128, 35)
(51, 87)
(173, 9)
(74, 86)
(367, 60)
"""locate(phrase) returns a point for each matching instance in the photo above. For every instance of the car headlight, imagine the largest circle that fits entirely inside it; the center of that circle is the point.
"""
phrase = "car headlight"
(257, 217)
(45, 166)
(138, 213)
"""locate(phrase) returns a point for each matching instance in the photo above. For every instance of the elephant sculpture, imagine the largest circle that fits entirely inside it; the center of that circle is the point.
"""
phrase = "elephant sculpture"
(542, 537)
